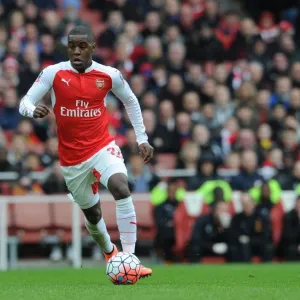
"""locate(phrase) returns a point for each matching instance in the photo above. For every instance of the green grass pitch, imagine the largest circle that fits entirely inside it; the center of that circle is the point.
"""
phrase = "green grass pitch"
(184, 282)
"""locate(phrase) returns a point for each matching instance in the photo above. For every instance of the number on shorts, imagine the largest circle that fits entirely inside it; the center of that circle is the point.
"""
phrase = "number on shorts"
(114, 152)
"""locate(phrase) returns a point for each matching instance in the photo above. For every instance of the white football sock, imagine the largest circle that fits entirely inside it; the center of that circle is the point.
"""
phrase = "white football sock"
(126, 220)
(100, 235)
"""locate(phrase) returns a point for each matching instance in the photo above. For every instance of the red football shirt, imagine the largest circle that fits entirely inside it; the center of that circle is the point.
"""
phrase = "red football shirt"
(79, 105)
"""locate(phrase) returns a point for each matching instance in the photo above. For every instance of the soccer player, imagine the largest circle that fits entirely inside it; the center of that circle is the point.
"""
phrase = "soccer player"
(87, 152)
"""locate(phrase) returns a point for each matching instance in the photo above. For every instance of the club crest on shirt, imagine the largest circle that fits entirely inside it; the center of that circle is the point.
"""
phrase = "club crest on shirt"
(100, 84)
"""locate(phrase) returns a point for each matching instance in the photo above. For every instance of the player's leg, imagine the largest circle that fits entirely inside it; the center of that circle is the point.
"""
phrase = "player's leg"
(95, 225)
(110, 170)
(126, 218)
(125, 211)
(84, 191)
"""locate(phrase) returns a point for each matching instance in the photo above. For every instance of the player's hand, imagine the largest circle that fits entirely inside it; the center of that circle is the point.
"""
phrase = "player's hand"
(146, 151)
(41, 111)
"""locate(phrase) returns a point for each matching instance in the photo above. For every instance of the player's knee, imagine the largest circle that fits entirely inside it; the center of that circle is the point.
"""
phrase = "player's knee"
(121, 191)
(93, 215)
(94, 219)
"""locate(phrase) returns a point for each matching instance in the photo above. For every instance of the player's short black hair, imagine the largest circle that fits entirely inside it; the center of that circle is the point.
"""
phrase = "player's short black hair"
(83, 30)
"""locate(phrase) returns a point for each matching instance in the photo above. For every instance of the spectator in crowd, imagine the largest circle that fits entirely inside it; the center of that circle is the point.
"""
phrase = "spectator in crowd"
(55, 183)
(295, 74)
(189, 156)
(256, 71)
(3, 39)
(174, 90)
(29, 69)
(291, 233)
(194, 78)
(276, 120)
(279, 70)
(228, 135)
(175, 58)
(221, 74)
(140, 179)
(224, 107)
(259, 51)
(248, 176)
(204, 39)
(282, 92)
(295, 103)
(191, 105)
(5, 166)
(137, 84)
(9, 115)
(212, 235)
(150, 101)
(49, 55)
(264, 135)
(166, 137)
(210, 149)
(167, 115)
(17, 151)
(206, 171)
(252, 231)
(51, 153)
(153, 25)
(186, 20)
(31, 12)
(152, 58)
(246, 141)
(246, 118)
(183, 127)
(26, 186)
(114, 28)
(288, 178)
(266, 196)
(164, 221)
(208, 117)
(130, 147)
(25, 128)
(211, 15)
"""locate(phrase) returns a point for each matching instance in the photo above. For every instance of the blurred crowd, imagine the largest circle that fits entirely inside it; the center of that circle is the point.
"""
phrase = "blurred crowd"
(260, 231)
(220, 91)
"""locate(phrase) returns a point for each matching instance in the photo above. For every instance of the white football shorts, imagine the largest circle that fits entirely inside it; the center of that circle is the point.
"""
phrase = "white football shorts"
(83, 179)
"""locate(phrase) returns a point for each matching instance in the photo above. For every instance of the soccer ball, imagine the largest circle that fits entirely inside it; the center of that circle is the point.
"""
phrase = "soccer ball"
(123, 268)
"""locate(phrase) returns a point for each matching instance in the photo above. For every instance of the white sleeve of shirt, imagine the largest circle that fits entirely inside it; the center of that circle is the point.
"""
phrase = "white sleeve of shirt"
(37, 91)
(122, 90)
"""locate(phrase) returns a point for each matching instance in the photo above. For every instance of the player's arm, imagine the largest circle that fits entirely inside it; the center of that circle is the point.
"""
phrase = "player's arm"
(122, 90)
(28, 105)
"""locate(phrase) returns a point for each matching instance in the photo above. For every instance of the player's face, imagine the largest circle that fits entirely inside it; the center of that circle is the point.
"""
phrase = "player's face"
(80, 51)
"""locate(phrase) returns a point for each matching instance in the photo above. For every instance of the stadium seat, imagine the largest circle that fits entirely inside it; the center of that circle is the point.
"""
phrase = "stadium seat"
(277, 214)
(231, 208)
(62, 220)
(183, 228)
(145, 222)
(213, 260)
(5, 188)
(32, 221)
(206, 209)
